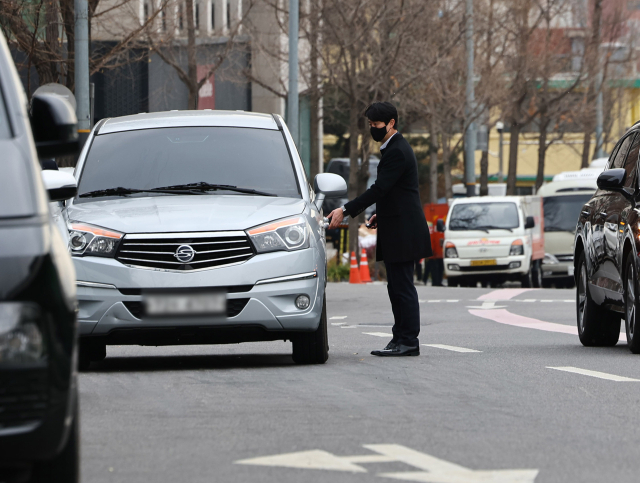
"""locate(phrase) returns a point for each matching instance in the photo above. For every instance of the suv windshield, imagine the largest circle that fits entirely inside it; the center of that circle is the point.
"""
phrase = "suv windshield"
(484, 216)
(561, 212)
(249, 159)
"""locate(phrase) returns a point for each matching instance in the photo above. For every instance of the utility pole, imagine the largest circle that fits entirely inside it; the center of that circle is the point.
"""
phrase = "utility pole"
(292, 98)
(83, 104)
(599, 153)
(470, 134)
(500, 128)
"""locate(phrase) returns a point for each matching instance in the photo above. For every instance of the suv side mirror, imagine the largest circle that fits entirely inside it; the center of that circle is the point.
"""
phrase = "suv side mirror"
(530, 222)
(440, 225)
(60, 185)
(612, 179)
(328, 185)
(54, 126)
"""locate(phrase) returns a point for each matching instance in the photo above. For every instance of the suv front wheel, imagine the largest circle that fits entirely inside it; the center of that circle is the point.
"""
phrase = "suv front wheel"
(313, 347)
(597, 327)
(631, 305)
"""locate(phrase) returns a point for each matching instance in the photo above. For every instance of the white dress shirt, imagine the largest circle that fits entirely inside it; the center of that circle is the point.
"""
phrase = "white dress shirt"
(387, 141)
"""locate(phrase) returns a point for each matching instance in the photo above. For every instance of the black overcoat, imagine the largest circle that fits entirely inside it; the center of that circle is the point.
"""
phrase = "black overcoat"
(403, 233)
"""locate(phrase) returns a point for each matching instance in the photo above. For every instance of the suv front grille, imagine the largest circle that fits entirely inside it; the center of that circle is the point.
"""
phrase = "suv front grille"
(209, 250)
(23, 397)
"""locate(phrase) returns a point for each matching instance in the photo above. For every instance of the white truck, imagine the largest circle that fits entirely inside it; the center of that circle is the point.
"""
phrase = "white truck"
(494, 239)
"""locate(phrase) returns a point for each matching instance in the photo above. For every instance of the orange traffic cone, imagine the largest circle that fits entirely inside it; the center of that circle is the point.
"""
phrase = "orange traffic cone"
(354, 275)
(365, 277)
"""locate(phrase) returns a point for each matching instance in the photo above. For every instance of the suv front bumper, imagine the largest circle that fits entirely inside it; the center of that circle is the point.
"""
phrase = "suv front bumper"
(109, 293)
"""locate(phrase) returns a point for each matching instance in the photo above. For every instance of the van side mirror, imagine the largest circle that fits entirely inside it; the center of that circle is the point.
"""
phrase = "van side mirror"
(440, 225)
(54, 126)
(328, 185)
(60, 185)
(530, 222)
(612, 179)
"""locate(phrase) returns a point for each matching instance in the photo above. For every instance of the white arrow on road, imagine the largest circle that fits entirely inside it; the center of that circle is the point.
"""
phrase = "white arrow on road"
(433, 470)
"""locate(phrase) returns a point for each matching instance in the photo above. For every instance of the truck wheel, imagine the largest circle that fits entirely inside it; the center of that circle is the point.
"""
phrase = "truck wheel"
(597, 327)
(313, 347)
(527, 279)
(631, 306)
(66, 465)
(536, 274)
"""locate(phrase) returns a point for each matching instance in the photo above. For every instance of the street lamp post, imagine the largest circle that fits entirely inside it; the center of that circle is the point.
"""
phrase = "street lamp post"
(292, 97)
(500, 129)
(83, 104)
(470, 134)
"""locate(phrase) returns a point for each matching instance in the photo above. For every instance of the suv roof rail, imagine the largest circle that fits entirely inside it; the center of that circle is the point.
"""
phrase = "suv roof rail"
(100, 124)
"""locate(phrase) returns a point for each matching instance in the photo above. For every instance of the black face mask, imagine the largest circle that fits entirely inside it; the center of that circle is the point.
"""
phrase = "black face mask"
(378, 133)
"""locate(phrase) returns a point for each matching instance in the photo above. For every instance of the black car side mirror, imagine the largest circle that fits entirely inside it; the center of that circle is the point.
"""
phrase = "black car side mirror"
(54, 126)
(530, 222)
(440, 225)
(612, 179)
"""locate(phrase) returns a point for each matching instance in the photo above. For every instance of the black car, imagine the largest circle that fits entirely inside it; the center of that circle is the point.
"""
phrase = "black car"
(38, 328)
(606, 251)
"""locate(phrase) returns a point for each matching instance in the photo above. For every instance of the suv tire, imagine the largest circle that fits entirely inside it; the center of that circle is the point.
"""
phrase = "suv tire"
(313, 347)
(65, 467)
(91, 349)
(597, 327)
(527, 279)
(536, 274)
(631, 305)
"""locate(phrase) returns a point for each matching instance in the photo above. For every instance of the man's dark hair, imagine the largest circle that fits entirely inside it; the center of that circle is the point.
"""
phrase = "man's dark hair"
(382, 111)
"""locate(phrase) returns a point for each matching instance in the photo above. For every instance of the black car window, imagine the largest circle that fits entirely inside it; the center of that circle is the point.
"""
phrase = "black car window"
(631, 163)
(150, 158)
(621, 154)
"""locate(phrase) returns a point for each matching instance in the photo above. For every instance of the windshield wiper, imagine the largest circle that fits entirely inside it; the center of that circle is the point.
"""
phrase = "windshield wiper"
(203, 186)
(491, 227)
(120, 191)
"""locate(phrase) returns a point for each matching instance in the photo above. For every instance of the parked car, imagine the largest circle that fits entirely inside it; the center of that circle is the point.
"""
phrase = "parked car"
(198, 227)
(493, 240)
(39, 417)
(606, 250)
(562, 201)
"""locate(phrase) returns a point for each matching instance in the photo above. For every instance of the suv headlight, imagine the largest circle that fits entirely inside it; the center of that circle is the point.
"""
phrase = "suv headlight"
(450, 250)
(92, 240)
(287, 234)
(20, 336)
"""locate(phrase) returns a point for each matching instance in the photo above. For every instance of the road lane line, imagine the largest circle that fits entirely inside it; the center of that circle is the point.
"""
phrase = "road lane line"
(600, 375)
(450, 348)
(415, 458)
(367, 458)
(504, 294)
(454, 301)
(338, 323)
(378, 334)
(338, 317)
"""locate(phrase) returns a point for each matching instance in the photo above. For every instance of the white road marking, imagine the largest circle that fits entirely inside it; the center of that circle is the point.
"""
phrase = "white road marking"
(486, 306)
(547, 301)
(570, 301)
(450, 348)
(311, 460)
(378, 334)
(454, 301)
(433, 470)
(504, 294)
(529, 300)
(338, 317)
(338, 323)
(600, 375)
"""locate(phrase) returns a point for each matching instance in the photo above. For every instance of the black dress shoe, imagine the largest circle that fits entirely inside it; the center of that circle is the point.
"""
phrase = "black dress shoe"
(390, 345)
(398, 351)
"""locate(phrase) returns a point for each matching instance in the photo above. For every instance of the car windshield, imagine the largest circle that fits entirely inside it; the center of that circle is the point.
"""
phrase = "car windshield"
(250, 159)
(484, 216)
(561, 212)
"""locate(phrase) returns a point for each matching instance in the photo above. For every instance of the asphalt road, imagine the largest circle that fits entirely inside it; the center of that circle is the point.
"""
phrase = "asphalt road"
(213, 413)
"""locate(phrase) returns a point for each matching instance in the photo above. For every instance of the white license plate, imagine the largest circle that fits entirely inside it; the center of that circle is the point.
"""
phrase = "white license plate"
(205, 303)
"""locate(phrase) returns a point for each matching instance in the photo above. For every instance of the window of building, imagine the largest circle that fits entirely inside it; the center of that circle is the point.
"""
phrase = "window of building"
(146, 11)
(197, 15)
(180, 17)
(213, 15)
(164, 21)
(228, 15)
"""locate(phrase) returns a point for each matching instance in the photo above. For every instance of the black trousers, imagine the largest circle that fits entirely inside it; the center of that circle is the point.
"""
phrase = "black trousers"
(404, 302)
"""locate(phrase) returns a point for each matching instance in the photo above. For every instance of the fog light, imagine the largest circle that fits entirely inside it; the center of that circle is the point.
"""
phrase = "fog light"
(20, 338)
(454, 267)
(514, 265)
(302, 302)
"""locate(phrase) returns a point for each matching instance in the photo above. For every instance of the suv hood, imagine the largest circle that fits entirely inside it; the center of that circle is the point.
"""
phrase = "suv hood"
(167, 214)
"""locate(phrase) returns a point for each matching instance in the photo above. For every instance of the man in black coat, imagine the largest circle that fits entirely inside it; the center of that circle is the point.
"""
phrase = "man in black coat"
(403, 233)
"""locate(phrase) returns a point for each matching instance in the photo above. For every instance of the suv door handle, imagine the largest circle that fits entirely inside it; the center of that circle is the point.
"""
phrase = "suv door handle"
(585, 213)
(602, 214)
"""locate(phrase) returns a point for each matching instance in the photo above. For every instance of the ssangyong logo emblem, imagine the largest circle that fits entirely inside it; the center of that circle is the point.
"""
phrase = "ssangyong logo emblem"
(185, 253)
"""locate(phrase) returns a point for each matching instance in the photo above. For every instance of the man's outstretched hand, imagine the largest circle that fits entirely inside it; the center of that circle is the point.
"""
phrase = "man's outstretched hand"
(373, 221)
(336, 217)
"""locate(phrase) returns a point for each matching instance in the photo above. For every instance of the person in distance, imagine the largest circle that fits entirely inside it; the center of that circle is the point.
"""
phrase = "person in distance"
(403, 233)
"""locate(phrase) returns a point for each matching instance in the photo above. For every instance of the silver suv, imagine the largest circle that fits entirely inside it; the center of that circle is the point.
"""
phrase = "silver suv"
(198, 227)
